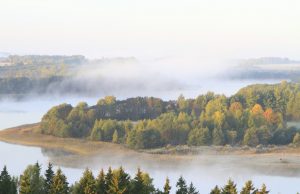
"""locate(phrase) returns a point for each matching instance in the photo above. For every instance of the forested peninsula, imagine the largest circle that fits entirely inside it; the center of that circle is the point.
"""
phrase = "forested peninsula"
(257, 114)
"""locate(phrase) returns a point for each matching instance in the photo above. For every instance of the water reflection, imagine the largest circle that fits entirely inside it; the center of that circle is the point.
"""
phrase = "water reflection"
(204, 170)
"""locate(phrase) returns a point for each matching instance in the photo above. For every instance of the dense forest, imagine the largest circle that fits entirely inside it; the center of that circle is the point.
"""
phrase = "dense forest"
(44, 74)
(38, 66)
(28, 74)
(257, 114)
(114, 181)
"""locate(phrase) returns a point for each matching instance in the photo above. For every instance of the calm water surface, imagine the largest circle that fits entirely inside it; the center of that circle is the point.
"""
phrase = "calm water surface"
(203, 176)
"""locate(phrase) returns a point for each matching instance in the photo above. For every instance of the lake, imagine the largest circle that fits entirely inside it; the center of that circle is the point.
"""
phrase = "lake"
(204, 171)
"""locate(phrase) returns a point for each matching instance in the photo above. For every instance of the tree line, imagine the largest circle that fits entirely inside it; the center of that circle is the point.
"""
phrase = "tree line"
(114, 181)
(257, 114)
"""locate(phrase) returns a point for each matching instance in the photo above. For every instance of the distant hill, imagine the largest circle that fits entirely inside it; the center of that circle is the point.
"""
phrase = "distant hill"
(267, 61)
(21, 76)
(266, 68)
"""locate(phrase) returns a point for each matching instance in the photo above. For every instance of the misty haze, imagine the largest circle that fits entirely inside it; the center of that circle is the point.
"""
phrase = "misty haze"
(149, 97)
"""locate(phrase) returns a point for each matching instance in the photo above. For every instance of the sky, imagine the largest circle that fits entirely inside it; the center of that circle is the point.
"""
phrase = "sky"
(218, 29)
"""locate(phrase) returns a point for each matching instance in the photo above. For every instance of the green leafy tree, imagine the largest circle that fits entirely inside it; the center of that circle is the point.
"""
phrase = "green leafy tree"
(296, 139)
(231, 136)
(198, 137)
(31, 181)
(256, 118)
(148, 138)
(54, 121)
(115, 138)
(250, 137)
(218, 136)
(78, 121)
(25, 183)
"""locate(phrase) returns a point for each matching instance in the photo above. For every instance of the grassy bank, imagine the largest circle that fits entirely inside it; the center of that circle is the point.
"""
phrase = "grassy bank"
(28, 135)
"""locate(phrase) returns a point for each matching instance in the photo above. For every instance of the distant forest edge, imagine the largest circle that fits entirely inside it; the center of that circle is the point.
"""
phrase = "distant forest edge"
(44, 74)
(266, 68)
(21, 76)
(257, 114)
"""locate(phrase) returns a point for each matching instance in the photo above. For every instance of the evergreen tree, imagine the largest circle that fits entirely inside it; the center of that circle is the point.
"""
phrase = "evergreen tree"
(114, 187)
(4, 181)
(8, 185)
(100, 183)
(60, 184)
(108, 179)
(124, 179)
(14, 185)
(192, 189)
(230, 188)
(138, 183)
(148, 183)
(263, 190)
(248, 188)
(31, 182)
(167, 187)
(181, 186)
(48, 179)
(87, 183)
(215, 190)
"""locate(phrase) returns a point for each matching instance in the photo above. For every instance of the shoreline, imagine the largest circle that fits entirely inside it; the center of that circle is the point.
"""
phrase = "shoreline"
(82, 153)
(27, 135)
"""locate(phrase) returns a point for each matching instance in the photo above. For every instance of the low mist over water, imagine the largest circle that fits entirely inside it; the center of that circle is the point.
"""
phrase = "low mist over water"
(196, 169)
(32, 108)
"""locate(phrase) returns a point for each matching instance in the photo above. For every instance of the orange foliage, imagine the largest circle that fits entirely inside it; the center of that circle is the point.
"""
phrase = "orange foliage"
(257, 109)
(271, 117)
(268, 114)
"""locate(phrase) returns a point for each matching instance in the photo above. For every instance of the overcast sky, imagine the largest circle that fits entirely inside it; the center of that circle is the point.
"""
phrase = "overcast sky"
(151, 28)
